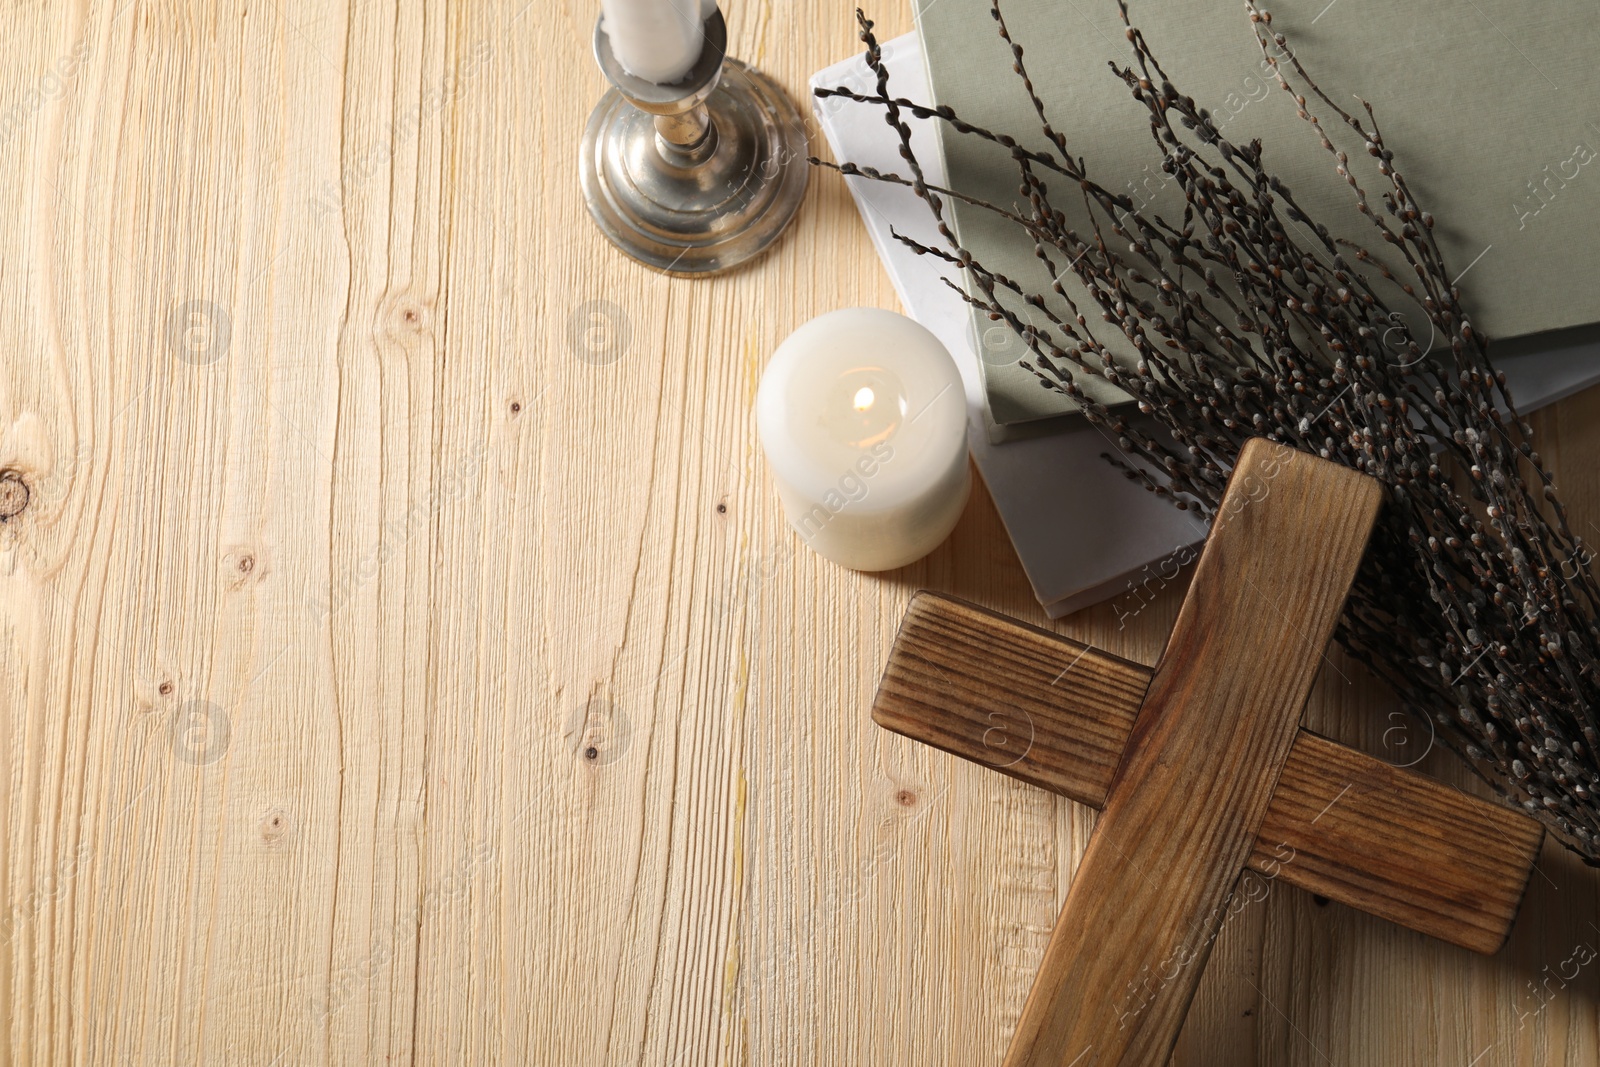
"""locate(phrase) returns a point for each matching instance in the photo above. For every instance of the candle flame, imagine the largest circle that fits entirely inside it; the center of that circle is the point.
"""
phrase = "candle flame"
(864, 398)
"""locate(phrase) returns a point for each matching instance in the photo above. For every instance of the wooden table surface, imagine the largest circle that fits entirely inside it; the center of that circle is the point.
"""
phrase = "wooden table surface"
(403, 656)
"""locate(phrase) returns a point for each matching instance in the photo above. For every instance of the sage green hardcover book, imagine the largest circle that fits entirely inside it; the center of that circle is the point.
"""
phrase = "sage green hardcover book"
(1492, 108)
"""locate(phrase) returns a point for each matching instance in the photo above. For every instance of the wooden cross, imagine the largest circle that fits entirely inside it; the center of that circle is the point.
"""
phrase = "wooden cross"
(1200, 768)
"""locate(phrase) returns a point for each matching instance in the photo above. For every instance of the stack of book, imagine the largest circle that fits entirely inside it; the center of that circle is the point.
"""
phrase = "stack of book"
(1483, 126)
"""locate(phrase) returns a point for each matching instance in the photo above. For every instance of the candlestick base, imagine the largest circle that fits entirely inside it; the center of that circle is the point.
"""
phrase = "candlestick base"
(697, 177)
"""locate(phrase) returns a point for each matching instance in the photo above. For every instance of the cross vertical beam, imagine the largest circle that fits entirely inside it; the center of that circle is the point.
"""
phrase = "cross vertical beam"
(1201, 765)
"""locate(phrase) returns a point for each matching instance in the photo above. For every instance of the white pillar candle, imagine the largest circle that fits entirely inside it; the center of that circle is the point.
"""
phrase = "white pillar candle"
(657, 40)
(864, 423)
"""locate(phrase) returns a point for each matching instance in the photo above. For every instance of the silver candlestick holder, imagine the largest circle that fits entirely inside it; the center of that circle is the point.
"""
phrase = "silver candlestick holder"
(696, 177)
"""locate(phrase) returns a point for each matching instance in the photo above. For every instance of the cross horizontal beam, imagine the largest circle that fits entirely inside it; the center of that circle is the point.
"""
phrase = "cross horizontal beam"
(1057, 714)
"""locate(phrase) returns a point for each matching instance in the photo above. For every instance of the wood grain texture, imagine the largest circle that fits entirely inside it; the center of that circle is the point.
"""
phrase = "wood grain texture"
(423, 563)
(1193, 786)
(1398, 844)
(1057, 714)
(1042, 708)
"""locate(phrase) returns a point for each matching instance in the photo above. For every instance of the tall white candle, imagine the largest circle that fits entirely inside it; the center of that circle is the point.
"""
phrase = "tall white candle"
(657, 40)
(864, 424)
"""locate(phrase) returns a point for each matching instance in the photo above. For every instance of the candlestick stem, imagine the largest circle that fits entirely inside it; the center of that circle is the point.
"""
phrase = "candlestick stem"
(696, 177)
(687, 139)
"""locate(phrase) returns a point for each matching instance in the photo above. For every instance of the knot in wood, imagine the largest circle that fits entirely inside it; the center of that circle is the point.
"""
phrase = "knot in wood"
(14, 495)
